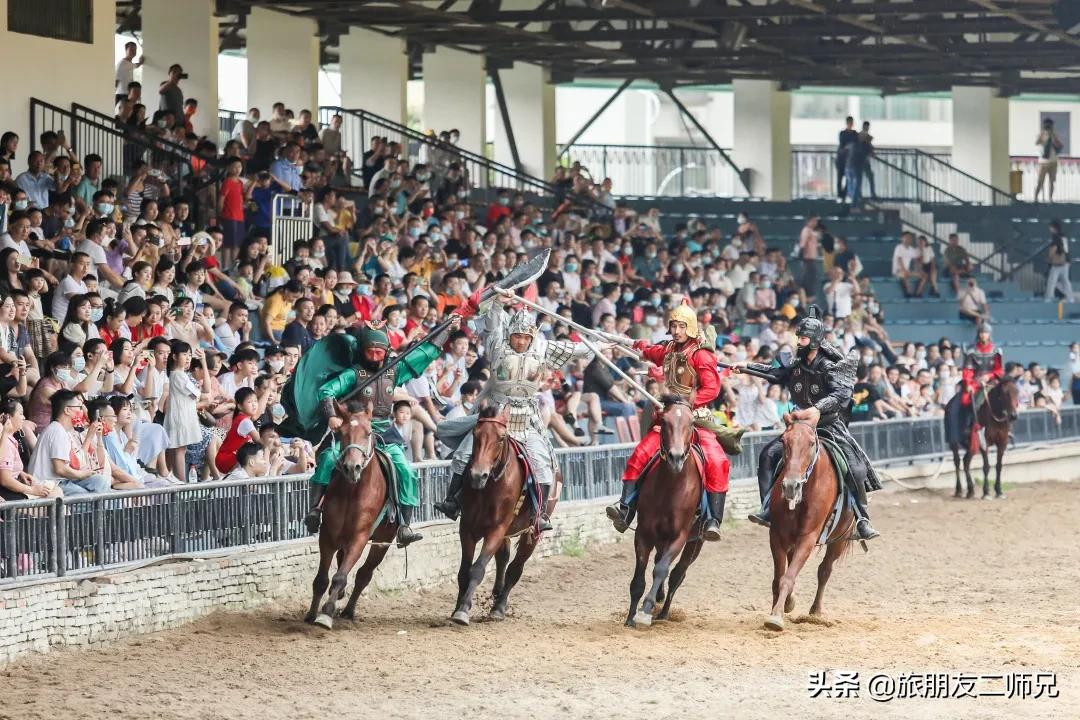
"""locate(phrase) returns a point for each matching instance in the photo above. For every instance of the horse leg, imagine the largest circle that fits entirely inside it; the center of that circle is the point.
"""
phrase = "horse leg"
(525, 548)
(789, 604)
(476, 576)
(984, 450)
(956, 466)
(502, 559)
(363, 575)
(689, 555)
(637, 585)
(468, 552)
(660, 592)
(787, 583)
(353, 551)
(997, 477)
(967, 474)
(780, 560)
(322, 578)
(660, 573)
(824, 570)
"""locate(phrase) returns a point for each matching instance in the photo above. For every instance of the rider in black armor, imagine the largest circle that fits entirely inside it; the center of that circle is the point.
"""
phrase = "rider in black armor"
(820, 380)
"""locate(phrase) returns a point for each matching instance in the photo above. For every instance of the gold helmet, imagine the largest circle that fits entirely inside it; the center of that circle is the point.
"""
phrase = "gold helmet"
(684, 313)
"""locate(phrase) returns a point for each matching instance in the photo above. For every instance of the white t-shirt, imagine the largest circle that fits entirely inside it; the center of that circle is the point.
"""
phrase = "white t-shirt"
(54, 442)
(6, 242)
(229, 338)
(61, 298)
(125, 74)
(839, 295)
(229, 384)
(971, 299)
(902, 258)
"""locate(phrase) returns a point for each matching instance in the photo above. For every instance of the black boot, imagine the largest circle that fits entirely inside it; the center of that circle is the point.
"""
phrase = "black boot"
(716, 509)
(620, 511)
(543, 492)
(451, 505)
(405, 534)
(313, 520)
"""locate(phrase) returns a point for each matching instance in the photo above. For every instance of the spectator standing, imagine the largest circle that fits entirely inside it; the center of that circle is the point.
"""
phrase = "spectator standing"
(181, 416)
(125, 69)
(231, 211)
(171, 97)
(1049, 146)
(1058, 257)
(838, 294)
(858, 158)
(847, 136)
(866, 141)
(808, 256)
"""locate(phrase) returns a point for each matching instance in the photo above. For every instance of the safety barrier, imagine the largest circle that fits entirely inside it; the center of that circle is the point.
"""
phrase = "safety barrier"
(73, 536)
(660, 171)
(1066, 184)
(290, 220)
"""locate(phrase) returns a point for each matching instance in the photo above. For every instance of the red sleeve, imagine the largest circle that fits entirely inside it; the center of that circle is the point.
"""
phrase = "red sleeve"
(968, 377)
(704, 362)
(653, 353)
(998, 372)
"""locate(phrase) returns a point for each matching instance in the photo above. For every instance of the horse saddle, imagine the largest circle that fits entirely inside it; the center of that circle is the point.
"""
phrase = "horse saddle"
(389, 508)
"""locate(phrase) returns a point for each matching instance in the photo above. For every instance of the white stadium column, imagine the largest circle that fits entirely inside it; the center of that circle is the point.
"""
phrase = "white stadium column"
(980, 121)
(186, 33)
(763, 137)
(455, 88)
(374, 73)
(283, 62)
(530, 102)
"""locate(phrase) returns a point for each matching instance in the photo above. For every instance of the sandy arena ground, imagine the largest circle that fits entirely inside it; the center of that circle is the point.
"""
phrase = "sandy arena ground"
(957, 586)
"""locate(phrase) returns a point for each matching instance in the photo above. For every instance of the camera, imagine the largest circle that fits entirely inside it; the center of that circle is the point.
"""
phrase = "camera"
(183, 76)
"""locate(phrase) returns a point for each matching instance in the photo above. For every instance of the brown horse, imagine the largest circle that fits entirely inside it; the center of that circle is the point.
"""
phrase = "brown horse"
(801, 504)
(996, 415)
(493, 510)
(355, 498)
(669, 495)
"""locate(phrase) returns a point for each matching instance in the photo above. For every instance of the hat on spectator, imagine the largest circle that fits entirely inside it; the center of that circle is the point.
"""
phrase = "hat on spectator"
(200, 238)
(345, 278)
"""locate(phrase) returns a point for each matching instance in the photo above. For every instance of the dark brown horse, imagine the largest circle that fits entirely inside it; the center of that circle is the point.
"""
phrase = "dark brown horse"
(354, 500)
(801, 504)
(996, 415)
(669, 495)
(493, 510)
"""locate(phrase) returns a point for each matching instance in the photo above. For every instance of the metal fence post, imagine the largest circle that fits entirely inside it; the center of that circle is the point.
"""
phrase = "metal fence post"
(245, 513)
(59, 522)
(277, 521)
(98, 511)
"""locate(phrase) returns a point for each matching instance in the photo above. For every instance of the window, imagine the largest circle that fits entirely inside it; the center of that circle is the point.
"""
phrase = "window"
(818, 106)
(905, 107)
(59, 19)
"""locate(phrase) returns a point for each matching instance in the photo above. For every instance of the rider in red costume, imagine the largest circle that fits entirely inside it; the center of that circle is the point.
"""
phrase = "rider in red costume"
(690, 372)
(982, 367)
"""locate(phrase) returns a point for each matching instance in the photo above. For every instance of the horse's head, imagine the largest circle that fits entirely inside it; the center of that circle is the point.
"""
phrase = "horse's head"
(489, 446)
(358, 442)
(676, 431)
(801, 449)
(1005, 398)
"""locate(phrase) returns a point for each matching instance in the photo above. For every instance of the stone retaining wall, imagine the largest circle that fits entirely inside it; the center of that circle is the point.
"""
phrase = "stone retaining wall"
(86, 612)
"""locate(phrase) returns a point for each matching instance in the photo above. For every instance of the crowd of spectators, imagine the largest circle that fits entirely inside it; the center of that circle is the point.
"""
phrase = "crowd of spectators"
(147, 327)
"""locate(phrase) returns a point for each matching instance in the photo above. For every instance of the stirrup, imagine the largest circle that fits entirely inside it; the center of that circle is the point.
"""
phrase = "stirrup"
(407, 536)
(545, 523)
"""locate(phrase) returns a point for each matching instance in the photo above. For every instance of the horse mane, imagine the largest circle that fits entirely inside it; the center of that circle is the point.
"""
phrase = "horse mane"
(488, 411)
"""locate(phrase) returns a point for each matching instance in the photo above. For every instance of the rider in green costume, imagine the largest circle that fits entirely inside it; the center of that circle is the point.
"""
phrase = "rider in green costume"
(330, 371)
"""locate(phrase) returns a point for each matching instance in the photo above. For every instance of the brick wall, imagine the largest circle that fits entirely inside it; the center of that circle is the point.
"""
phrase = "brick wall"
(83, 613)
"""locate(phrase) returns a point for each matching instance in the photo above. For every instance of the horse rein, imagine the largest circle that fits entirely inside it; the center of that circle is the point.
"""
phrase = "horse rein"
(817, 450)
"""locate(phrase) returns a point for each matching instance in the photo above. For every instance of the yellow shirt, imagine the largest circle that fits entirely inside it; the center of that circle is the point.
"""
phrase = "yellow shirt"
(276, 310)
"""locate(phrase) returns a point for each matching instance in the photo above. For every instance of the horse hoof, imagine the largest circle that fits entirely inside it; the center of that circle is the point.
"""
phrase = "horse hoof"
(643, 618)
(324, 621)
(774, 622)
(789, 604)
(986, 496)
(497, 614)
(460, 617)
(349, 615)
(1000, 496)
(970, 495)
(629, 623)
(310, 618)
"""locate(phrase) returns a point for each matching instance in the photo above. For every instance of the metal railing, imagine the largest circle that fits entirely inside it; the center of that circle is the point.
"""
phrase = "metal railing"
(896, 174)
(227, 120)
(291, 220)
(359, 127)
(1066, 185)
(78, 535)
(658, 170)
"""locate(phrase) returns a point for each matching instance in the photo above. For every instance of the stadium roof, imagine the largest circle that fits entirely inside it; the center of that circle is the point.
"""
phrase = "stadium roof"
(894, 45)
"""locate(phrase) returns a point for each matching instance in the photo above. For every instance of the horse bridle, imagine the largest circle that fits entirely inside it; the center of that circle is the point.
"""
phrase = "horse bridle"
(504, 443)
(368, 453)
(663, 445)
(817, 450)
(990, 405)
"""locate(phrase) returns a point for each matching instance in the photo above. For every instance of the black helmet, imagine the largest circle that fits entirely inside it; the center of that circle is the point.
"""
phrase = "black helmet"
(811, 328)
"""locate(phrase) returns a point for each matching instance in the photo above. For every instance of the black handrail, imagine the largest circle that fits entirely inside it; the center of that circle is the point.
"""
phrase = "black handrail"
(919, 182)
(994, 192)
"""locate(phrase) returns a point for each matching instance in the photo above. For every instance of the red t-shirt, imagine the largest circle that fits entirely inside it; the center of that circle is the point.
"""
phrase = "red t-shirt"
(232, 199)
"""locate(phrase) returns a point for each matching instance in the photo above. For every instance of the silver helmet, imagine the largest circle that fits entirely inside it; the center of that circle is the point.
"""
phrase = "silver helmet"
(522, 323)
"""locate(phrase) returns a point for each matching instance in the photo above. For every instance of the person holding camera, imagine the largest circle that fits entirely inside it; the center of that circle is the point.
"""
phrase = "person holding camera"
(171, 96)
